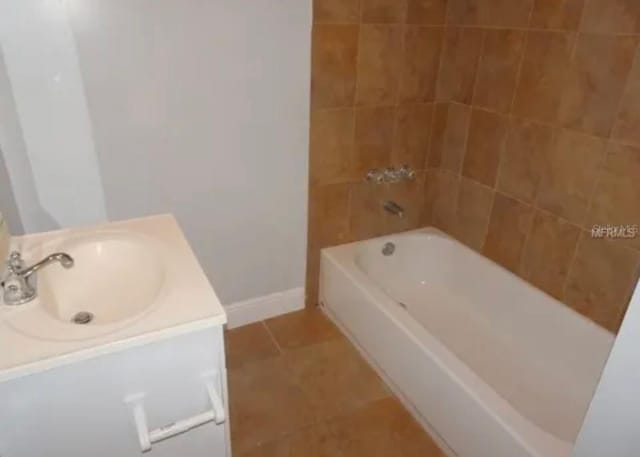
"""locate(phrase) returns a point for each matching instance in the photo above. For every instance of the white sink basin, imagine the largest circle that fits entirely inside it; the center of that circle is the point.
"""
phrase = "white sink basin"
(115, 277)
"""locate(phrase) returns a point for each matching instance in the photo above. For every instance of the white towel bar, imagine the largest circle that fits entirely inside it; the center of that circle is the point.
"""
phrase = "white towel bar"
(148, 437)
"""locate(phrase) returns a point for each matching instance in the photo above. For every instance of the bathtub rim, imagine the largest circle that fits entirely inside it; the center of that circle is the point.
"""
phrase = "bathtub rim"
(534, 439)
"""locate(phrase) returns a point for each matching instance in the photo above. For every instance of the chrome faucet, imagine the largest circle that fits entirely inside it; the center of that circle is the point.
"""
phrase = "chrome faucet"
(18, 286)
(392, 207)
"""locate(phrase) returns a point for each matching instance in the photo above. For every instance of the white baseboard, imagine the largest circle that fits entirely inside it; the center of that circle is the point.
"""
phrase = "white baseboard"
(265, 307)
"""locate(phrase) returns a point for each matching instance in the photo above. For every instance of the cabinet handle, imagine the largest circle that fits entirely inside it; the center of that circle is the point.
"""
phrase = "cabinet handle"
(148, 437)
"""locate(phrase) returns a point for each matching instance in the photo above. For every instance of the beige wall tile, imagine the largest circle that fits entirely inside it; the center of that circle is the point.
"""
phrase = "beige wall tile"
(487, 137)
(523, 160)
(569, 177)
(505, 13)
(336, 11)
(627, 127)
(412, 135)
(328, 214)
(383, 11)
(595, 82)
(438, 132)
(454, 141)
(463, 12)
(617, 197)
(421, 60)
(409, 195)
(557, 14)
(331, 146)
(611, 16)
(459, 64)
(367, 219)
(543, 75)
(498, 69)
(378, 64)
(373, 138)
(548, 253)
(600, 280)
(427, 12)
(442, 199)
(509, 225)
(473, 211)
(333, 66)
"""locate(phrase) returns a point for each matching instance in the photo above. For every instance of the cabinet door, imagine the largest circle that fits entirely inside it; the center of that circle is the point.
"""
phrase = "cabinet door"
(79, 410)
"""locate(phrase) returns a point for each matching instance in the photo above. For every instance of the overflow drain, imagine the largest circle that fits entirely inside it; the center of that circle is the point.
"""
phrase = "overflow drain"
(82, 318)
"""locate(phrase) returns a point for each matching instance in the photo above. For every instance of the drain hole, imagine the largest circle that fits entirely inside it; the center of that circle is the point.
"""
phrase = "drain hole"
(82, 318)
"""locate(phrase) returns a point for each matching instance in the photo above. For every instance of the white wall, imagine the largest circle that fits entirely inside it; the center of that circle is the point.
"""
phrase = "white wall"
(200, 108)
(612, 424)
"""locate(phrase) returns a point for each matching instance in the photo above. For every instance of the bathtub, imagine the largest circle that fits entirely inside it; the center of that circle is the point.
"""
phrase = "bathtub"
(490, 365)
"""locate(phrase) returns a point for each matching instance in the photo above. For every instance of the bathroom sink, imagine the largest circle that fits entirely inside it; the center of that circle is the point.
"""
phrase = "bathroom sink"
(115, 277)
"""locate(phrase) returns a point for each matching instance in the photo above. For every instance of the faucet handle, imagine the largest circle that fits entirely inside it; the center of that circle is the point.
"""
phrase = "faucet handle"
(15, 262)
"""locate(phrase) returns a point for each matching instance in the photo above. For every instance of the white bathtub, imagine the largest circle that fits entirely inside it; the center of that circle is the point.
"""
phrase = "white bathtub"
(492, 366)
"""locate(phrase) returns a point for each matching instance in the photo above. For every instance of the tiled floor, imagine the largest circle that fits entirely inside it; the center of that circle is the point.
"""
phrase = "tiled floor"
(299, 389)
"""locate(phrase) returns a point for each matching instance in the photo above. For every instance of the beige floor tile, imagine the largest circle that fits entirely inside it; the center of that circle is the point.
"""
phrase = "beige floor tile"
(302, 328)
(249, 344)
(334, 377)
(265, 403)
(385, 429)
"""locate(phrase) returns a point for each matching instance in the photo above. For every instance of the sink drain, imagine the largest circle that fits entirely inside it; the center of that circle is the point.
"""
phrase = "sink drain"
(81, 318)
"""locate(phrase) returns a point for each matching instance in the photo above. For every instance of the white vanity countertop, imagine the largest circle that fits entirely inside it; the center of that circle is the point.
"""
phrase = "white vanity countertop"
(187, 303)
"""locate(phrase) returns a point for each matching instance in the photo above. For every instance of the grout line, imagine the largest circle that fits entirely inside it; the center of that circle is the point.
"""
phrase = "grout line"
(491, 27)
(273, 338)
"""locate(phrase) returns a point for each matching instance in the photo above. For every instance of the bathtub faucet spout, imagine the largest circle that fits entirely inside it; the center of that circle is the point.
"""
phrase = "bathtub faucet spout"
(392, 207)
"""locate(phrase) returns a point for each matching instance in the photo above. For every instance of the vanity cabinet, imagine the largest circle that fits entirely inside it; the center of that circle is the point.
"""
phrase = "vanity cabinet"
(86, 408)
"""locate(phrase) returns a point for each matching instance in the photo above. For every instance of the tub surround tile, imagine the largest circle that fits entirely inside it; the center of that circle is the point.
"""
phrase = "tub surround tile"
(543, 75)
(548, 253)
(367, 219)
(459, 64)
(333, 65)
(302, 328)
(328, 211)
(473, 212)
(331, 146)
(421, 59)
(569, 179)
(449, 142)
(611, 16)
(521, 116)
(627, 126)
(509, 226)
(247, 344)
(498, 69)
(600, 280)
(426, 12)
(487, 136)
(383, 11)
(617, 197)
(378, 64)
(524, 158)
(492, 13)
(595, 82)
(373, 138)
(412, 135)
(336, 11)
(441, 200)
(557, 14)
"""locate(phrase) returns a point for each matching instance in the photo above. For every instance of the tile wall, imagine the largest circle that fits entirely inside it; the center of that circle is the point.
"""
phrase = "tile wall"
(524, 115)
